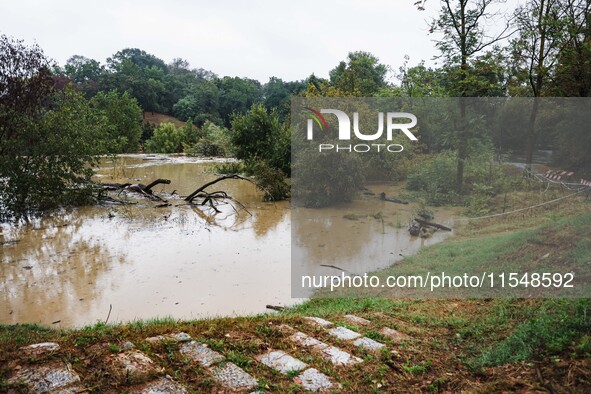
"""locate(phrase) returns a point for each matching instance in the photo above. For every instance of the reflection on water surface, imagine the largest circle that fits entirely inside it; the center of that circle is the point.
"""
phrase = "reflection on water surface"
(145, 261)
(180, 261)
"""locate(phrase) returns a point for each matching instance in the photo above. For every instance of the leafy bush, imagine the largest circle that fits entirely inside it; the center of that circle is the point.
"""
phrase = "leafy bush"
(215, 141)
(280, 156)
(270, 180)
(483, 179)
(167, 138)
(436, 179)
(326, 179)
(479, 200)
(254, 133)
(258, 135)
(265, 146)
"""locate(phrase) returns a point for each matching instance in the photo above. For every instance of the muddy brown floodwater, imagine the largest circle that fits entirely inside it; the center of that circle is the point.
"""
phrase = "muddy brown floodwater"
(72, 267)
(364, 236)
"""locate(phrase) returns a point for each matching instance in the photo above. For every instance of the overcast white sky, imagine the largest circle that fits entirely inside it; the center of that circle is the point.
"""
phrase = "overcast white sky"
(256, 38)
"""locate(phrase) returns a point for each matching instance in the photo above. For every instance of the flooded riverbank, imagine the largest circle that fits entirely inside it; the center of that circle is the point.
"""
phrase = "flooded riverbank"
(144, 261)
(361, 237)
(141, 262)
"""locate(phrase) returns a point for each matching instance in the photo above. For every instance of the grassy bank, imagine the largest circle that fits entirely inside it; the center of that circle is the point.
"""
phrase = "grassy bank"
(475, 345)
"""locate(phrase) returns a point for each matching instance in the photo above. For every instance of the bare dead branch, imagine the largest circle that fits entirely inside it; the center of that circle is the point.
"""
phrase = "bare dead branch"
(148, 188)
(191, 196)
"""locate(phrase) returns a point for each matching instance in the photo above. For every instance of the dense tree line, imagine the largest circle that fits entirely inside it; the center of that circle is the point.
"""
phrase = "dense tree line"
(540, 49)
(176, 89)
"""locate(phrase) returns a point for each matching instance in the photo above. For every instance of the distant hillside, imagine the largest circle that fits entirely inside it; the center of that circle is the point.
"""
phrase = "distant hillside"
(157, 118)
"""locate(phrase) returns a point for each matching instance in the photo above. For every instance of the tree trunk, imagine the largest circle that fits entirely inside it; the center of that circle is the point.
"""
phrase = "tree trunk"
(531, 134)
(538, 83)
(436, 225)
(462, 147)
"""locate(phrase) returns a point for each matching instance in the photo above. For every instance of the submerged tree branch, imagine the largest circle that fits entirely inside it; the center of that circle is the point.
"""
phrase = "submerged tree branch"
(193, 195)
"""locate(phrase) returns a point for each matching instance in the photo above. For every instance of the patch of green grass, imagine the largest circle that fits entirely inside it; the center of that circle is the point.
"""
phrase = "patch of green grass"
(349, 326)
(476, 330)
(522, 251)
(239, 359)
(456, 321)
(20, 334)
(416, 369)
(584, 346)
(376, 336)
(582, 251)
(325, 307)
(264, 385)
(292, 374)
(92, 334)
(457, 257)
(215, 344)
(553, 328)
(438, 344)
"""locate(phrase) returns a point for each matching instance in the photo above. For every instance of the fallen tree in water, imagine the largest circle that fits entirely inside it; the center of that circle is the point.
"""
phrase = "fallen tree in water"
(201, 189)
(139, 188)
(430, 224)
(268, 180)
(200, 196)
(212, 198)
(392, 199)
(424, 228)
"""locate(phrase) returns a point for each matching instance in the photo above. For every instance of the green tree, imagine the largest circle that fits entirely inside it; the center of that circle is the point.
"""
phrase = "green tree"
(139, 73)
(464, 38)
(277, 94)
(136, 56)
(421, 81)
(255, 133)
(574, 139)
(48, 138)
(572, 78)
(201, 104)
(124, 120)
(361, 75)
(214, 141)
(85, 73)
(186, 108)
(535, 50)
(236, 95)
(179, 82)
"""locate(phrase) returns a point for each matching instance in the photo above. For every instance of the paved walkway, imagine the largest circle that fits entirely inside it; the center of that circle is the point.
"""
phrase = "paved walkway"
(58, 377)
